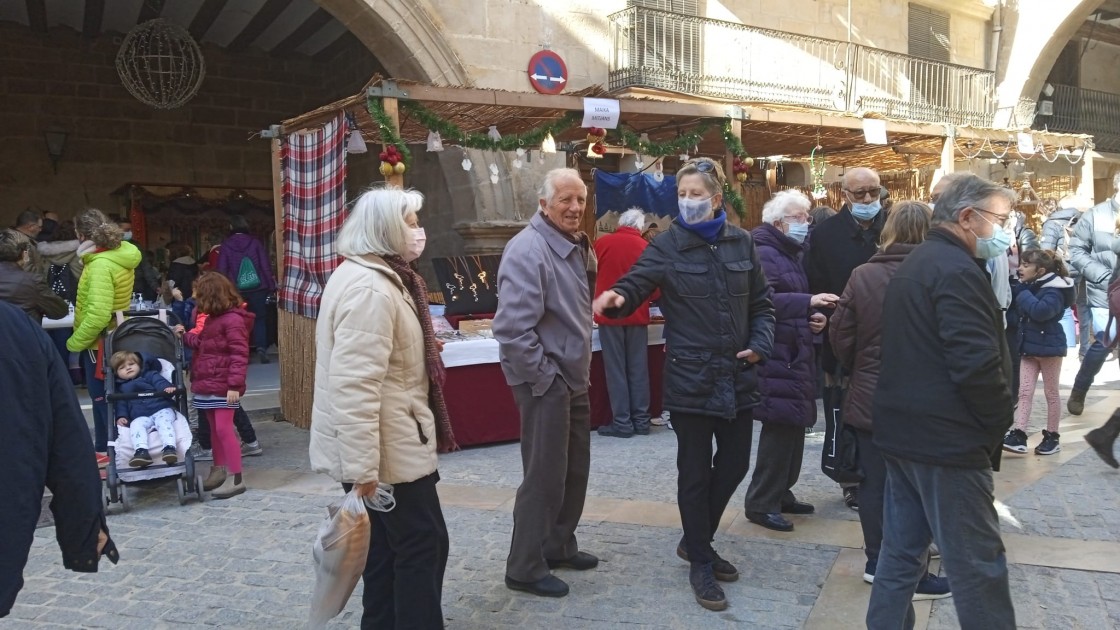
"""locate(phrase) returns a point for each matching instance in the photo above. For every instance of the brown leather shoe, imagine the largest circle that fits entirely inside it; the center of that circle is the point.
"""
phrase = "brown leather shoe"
(216, 479)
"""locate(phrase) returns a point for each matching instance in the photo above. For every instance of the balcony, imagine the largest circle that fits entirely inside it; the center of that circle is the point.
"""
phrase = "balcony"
(1077, 110)
(695, 55)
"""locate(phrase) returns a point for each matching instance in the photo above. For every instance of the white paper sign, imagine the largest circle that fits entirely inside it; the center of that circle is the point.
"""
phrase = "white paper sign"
(600, 112)
(1026, 143)
(874, 131)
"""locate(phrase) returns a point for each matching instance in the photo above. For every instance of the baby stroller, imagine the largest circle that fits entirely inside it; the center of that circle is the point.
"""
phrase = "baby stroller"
(150, 333)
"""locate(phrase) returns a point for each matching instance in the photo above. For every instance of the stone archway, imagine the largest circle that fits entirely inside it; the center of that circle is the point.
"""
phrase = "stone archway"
(417, 49)
(1025, 58)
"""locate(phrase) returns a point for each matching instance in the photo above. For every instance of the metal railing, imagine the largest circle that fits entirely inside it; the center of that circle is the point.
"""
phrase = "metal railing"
(707, 57)
(1078, 110)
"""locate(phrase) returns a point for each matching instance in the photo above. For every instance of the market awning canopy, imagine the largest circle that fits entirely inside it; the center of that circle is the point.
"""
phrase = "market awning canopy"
(772, 131)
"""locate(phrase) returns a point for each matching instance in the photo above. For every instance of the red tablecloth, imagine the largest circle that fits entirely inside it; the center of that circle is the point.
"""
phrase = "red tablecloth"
(482, 408)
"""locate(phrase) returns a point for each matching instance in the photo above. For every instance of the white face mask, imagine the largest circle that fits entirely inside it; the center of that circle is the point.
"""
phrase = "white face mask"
(127, 235)
(694, 210)
(416, 242)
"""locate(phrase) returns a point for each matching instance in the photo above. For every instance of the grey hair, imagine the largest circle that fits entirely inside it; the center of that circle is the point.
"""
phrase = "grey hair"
(1116, 181)
(965, 190)
(377, 224)
(548, 187)
(634, 217)
(12, 246)
(775, 209)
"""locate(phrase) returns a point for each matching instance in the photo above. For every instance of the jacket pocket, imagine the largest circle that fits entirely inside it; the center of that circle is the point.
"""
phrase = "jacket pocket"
(688, 375)
(691, 280)
(739, 277)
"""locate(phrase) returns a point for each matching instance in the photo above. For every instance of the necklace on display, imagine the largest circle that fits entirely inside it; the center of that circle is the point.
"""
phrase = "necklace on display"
(481, 272)
(451, 290)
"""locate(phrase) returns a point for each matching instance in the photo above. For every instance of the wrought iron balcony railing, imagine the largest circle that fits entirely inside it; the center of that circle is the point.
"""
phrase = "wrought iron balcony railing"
(706, 57)
(1078, 110)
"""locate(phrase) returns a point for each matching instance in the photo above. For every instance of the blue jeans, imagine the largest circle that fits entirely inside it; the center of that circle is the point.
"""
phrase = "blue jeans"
(256, 301)
(96, 388)
(954, 507)
(1097, 353)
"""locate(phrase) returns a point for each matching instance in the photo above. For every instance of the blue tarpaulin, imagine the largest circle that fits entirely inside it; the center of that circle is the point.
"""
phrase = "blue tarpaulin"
(616, 192)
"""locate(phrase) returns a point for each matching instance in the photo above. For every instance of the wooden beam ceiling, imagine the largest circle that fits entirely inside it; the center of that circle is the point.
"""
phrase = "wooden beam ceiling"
(1110, 6)
(205, 17)
(314, 22)
(149, 10)
(261, 21)
(332, 50)
(91, 20)
(1100, 33)
(37, 15)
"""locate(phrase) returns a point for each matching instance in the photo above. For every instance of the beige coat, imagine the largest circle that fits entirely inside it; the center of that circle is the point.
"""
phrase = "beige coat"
(370, 420)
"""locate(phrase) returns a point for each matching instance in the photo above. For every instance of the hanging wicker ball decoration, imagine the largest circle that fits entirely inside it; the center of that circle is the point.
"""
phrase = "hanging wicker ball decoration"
(160, 64)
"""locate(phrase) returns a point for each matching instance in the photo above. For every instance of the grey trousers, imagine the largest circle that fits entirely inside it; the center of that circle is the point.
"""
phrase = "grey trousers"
(954, 507)
(556, 457)
(776, 467)
(626, 363)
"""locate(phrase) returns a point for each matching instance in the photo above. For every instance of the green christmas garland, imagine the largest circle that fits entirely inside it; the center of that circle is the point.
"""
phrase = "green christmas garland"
(735, 199)
(388, 130)
(734, 144)
(450, 132)
(681, 144)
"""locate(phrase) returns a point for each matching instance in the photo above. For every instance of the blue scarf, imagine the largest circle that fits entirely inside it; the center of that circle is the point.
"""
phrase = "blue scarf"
(708, 230)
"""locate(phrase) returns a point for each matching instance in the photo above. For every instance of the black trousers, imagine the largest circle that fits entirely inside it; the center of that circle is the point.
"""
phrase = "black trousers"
(777, 467)
(871, 496)
(402, 585)
(240, 422)
(705, 482)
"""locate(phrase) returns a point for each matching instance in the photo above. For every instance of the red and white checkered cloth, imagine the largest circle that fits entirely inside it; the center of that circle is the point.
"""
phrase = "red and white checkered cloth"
(314, 167)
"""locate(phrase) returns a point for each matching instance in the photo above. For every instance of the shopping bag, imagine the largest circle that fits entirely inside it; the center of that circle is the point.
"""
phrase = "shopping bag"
(840, 455)
(340, 552)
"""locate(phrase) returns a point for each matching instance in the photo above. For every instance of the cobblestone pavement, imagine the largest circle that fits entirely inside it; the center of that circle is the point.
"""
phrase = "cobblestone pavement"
(245, 562)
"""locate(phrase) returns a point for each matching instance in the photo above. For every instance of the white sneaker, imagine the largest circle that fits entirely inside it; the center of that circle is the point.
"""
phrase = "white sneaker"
(202, 454)
(661, 420)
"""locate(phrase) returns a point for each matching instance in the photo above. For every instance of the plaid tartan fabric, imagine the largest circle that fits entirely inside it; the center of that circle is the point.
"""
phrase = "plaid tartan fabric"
(314, 166)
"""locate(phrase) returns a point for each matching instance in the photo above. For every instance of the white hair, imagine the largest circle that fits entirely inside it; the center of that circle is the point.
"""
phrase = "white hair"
(634, 217)
(548, 187)
(378, 224)
(783, 200)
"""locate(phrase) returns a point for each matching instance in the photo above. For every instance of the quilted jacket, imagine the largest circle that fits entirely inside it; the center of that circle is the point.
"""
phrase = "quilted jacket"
(105, 287)
(221, 353)
(370, 420)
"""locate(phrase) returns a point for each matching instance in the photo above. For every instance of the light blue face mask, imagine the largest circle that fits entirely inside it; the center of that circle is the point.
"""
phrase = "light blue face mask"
(694, 210)
(798, 232)
(866, 211)
(995, 245)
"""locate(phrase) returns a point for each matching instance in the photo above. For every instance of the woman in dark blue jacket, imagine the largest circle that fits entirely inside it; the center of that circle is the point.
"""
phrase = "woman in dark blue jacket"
(1042, 297)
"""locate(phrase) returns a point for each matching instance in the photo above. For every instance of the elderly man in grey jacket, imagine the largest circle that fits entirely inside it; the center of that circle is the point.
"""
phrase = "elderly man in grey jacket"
(543, 327)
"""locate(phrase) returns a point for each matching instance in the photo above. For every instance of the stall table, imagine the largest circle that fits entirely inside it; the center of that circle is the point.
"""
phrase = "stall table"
(481, 405)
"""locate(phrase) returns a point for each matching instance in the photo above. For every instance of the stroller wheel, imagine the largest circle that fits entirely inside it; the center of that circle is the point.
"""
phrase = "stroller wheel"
(181, 490)
(198, 488)
(124, 498)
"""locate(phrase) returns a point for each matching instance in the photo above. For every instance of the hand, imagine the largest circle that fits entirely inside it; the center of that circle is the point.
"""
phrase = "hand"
(817, 322)
(169, 390)
(607, 299)
(178, 330)
(232, 397)
(749, 355)
(177, 294)
(122, 422)
(364, 490)
(439, 345)
(824, 300)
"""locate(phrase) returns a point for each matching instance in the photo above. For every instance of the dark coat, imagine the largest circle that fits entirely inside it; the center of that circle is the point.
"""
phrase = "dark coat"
(44, 442)
(856, 331)
(943, 396)
(26, 291)
(221, 353)
(787, 381)
(1038, 308)
(149, 380)
(716, 304)
(1090, 250)
(184, 271)
(239, 246)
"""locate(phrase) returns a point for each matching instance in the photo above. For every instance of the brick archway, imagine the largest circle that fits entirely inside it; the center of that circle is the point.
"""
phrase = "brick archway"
(404, 37)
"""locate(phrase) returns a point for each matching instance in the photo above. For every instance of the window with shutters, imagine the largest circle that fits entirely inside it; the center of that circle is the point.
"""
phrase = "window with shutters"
(929, 33)
(659, 41)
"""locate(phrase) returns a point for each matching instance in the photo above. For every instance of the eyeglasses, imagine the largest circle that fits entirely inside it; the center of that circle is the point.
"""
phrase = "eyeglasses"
(863, 193)
(808, 220)
(1000, 219)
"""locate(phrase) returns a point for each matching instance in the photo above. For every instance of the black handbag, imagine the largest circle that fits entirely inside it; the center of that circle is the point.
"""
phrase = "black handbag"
(840, 455)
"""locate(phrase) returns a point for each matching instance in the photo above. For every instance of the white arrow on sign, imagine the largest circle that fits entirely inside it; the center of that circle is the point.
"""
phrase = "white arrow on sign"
(541, 77)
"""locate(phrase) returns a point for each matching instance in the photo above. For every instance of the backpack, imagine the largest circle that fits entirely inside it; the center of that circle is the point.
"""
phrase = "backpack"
(247, 277)
(63, 282)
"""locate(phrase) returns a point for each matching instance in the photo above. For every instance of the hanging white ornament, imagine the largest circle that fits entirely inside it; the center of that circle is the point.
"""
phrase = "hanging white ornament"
(435, 143)
(658, 174)
(466, 164)
(493, 178)
(683, 157)
(356, 144)
(493, 169)
(493, 133)
(517, 163)
(520, 152)
(548, 145)
(639, 162)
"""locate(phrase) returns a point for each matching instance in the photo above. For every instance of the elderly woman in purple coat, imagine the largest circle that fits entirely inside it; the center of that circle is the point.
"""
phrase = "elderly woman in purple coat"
(787, 381)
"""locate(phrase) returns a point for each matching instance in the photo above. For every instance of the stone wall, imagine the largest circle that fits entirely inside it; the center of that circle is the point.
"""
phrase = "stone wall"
(61, 81)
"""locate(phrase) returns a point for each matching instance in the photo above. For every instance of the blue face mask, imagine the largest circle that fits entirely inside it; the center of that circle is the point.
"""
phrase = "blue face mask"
(798, 232)
(694, 210)
(866, 211)
(995, 245)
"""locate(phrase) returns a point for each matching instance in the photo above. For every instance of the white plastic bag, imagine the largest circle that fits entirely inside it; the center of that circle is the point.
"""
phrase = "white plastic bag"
(340, 552)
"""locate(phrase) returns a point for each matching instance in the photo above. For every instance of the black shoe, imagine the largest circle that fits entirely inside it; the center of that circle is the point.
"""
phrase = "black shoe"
(582, 561)
(170, 457)
(548, 586)
(773, 521)
(723, 570)
(851, 497)
(1103, 438)
(263, 354)
(608, 431)
(798, 507)
(140, 459)
(704, 586)
(644, 431)
(1076, 402)
(1015, 441)
(1049, 445)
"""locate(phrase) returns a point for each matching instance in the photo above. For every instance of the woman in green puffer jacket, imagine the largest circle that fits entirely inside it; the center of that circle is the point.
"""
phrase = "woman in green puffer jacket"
(105, 287)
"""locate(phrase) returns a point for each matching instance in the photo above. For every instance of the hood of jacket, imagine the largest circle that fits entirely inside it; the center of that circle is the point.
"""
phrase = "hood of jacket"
(127, 256)
(769, 235)
(238, 243)
(1054, 281)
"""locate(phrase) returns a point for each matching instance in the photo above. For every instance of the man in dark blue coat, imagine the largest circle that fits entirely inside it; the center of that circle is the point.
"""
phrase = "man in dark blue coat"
(44, 442)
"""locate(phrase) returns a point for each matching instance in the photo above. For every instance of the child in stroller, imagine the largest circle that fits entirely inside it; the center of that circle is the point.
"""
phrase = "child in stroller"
(140, 374)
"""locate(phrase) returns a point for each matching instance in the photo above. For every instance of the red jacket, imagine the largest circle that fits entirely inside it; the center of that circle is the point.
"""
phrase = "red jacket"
(617, 253)
(221, 353)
